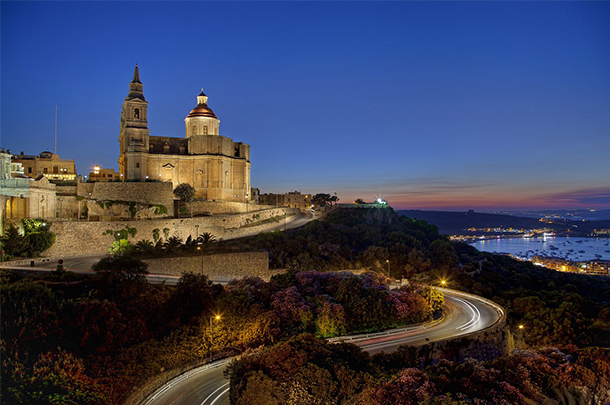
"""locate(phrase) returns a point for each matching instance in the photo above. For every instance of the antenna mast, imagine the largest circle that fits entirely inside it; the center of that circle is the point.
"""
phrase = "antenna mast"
(55, 130)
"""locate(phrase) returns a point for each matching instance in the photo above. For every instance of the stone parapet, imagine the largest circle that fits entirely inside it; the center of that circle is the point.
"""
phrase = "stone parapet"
(217, 267)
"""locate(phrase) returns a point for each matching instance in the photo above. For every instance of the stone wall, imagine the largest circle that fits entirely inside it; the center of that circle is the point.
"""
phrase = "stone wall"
(160, 193)
(220, 207)
(86, 239)
(220, 266)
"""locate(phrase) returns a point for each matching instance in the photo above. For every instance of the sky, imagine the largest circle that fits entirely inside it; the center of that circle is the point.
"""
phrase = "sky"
(430, 105)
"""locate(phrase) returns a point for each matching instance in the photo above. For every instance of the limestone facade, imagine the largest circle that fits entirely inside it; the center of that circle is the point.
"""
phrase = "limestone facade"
(48, 164)
(216, 166)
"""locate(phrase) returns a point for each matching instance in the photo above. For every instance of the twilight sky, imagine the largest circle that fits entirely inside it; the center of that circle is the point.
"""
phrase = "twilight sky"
(432, 105)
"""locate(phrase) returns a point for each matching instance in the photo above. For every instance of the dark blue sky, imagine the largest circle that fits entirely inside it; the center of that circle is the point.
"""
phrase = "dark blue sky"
(441, 105)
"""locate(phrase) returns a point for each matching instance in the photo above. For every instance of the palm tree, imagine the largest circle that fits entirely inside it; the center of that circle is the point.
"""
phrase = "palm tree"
(206, 238)
(172, 244)
(144, 246)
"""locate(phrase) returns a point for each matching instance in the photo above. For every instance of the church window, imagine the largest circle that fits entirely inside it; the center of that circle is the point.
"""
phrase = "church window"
(205, 130)
(136, 113)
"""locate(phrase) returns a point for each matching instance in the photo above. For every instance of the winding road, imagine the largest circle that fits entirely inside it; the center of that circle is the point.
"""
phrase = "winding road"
(464, 314)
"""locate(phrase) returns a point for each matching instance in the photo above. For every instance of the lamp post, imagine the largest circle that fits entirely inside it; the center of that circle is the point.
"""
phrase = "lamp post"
(284, 222)
(247, 204)
(197, 230)
(118, 237)
(201, 249)
(443, 282)
(388, 262)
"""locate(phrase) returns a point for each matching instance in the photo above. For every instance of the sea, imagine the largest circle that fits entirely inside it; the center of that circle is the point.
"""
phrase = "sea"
(575, 249)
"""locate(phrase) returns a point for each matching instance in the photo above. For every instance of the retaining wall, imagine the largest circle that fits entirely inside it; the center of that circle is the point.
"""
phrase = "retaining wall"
(218, 266)
(87, 239)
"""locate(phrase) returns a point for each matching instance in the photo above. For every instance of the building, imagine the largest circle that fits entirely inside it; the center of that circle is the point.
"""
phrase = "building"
(21, 196)
(103, 175)
(217, 167)
(48, 164)
(292, 199)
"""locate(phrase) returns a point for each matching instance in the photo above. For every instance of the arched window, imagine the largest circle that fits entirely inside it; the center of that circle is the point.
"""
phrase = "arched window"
(205, 130)
(194, 130)
(136, 113)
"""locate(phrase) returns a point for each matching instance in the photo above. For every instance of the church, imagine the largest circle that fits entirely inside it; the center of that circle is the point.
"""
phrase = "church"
(217, 167)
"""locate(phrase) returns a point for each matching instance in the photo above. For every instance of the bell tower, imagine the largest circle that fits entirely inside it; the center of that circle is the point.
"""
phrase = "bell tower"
(134, 137)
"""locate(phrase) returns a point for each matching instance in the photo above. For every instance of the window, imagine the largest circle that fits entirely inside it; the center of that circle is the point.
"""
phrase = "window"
(45, 171)
(29, 170)
(136, 113)
(55, 169)
(205, 130)
(194, 130)
(137, 165)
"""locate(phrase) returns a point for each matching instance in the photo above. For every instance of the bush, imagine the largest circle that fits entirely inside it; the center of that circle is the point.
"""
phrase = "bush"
(37, 242)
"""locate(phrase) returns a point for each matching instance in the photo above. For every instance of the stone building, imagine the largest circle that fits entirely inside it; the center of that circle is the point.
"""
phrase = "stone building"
(103, 175)
(217, 167)
(21, 196)
(48, 164)
(292, 199)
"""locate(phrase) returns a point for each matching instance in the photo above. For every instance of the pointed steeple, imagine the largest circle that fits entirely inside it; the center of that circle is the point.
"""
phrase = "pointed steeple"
(136, 88)
(136, 75)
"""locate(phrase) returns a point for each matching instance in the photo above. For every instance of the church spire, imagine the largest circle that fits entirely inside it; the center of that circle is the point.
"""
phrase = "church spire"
(136, 88)
(136, 75)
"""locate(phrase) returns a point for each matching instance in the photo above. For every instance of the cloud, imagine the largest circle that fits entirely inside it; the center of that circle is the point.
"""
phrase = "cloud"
(585, 197)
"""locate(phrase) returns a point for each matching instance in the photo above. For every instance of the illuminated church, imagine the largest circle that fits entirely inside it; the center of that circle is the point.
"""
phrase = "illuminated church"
(217, 167)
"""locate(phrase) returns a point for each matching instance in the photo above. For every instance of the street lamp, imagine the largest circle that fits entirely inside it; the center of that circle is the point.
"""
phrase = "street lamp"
(200, 248)
(388, 262)
(521, 326)
(197, 228)
(118, 238)
(443, 282)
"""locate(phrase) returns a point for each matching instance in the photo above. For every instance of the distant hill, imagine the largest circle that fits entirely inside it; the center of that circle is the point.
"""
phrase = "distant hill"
(451, 223)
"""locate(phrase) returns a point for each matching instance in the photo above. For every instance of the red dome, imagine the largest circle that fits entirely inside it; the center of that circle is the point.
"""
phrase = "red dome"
(202, 110)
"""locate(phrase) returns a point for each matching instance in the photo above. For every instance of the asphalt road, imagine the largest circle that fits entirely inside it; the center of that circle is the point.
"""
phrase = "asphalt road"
(463, 315)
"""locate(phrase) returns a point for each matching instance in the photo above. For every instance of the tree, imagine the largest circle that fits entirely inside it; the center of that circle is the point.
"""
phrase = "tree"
(321, 199)
(185, 192)
(359, 201)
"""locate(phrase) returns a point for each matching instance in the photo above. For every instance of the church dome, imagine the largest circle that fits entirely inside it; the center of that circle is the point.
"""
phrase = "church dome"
(202, 109)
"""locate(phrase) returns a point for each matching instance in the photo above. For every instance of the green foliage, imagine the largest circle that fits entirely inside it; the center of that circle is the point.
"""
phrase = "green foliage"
(155, 234)
(37, 242)
(435, 298)
(122, 277)
(35, 239)
(185, 192)
(144, 246)
(160, 209)
(121, 247)
(13, 242)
